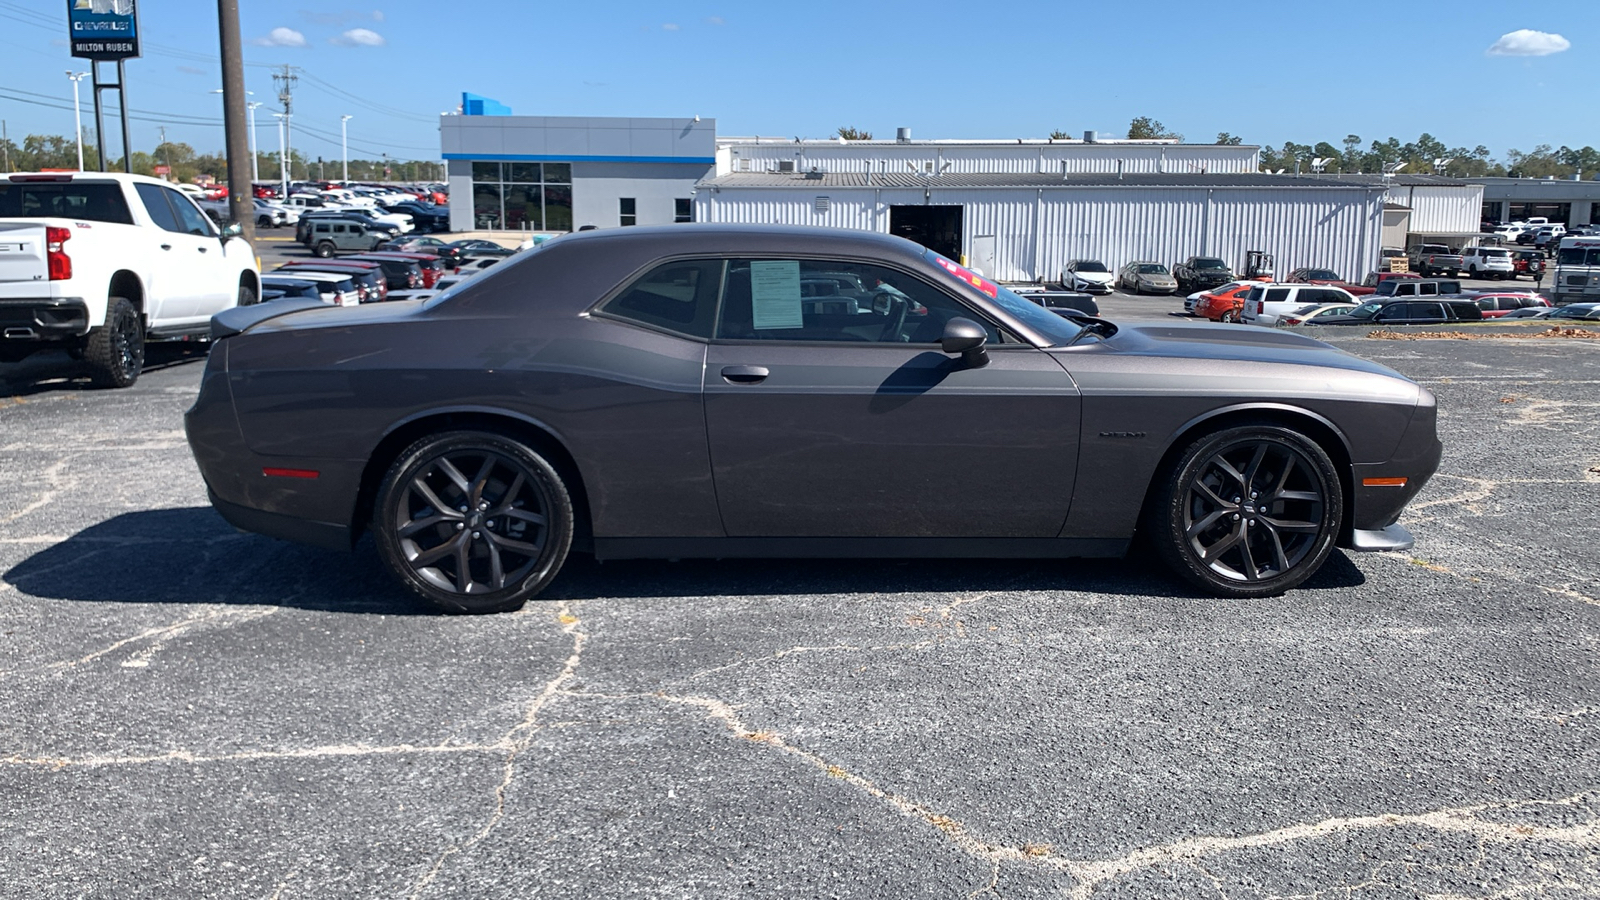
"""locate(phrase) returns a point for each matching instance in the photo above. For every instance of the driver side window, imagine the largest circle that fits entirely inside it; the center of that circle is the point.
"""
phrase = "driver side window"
(835, 301)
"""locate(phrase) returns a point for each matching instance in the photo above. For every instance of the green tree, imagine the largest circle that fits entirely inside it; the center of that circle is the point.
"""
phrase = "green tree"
(1227, 139)
(854, 134)
(1145, 128)
(1059, 135)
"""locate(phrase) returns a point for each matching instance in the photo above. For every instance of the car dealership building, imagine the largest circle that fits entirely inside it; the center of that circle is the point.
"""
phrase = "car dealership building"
(1019, 209)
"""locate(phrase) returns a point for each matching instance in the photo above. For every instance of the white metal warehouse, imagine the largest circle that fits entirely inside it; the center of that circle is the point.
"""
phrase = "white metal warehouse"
(1027, 226)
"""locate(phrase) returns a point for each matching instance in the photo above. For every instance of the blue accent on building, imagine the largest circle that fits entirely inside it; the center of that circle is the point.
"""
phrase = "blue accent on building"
(523, 157)
(474, 105)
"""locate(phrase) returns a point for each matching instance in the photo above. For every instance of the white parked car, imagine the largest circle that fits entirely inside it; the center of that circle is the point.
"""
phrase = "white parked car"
(1265, 304)
(1487, 262)
(1088, 275)
(98, 263)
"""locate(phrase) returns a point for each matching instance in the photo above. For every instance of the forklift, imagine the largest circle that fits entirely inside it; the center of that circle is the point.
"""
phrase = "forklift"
(1257, 266)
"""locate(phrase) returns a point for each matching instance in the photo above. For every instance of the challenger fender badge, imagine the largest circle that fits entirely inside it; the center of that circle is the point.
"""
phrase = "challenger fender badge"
(1123, 434)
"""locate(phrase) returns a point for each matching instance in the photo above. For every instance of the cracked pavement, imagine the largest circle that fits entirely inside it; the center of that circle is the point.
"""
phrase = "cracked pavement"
(186, 711)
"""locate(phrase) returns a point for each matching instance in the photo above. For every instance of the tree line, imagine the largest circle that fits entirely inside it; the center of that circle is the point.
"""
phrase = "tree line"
(37, 152)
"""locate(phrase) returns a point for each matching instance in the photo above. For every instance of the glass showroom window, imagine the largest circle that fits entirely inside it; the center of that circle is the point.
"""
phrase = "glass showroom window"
(627, 211)
(522, 196)
(682, 210)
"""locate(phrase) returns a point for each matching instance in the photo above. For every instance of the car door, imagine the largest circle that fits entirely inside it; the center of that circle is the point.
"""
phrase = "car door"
(166, 288)
(212, 283)
(841, 417)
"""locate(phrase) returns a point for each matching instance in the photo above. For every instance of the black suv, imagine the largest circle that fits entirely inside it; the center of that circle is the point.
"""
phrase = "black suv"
(1410, 311)
(1200, 273)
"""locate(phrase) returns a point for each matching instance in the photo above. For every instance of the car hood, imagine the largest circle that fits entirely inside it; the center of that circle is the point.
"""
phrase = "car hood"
(1233, 343)
(1094, 277)
(1158, 279)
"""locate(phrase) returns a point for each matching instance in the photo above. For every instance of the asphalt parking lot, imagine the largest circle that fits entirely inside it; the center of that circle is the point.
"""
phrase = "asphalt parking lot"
(192, 712)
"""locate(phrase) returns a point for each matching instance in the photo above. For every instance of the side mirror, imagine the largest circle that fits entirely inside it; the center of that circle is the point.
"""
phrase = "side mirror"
(231, 232)
(967, 338)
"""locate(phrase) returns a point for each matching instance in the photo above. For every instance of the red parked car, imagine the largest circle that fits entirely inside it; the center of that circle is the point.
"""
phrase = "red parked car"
(1498, 303)
(433, 267)
(1224, 305)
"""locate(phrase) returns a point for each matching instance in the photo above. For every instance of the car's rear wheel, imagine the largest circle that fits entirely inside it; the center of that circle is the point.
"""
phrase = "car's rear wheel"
(1229, 316)
(1249, 511)
(473, 522)
(115, 350)
(325, 249)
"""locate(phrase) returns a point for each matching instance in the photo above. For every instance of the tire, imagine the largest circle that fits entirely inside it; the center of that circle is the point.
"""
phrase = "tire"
(264, 222)
(440, 553)
(115, 350)
(1209, 541)
(247, 295)
(1230, 317)
(325, 250)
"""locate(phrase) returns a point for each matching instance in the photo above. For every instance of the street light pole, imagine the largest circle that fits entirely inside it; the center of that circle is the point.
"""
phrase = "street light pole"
(255, 164)
(344, 143)
(283, 156)
(77, 112)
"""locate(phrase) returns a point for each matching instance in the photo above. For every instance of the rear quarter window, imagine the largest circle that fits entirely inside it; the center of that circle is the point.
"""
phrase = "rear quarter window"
(89, 201)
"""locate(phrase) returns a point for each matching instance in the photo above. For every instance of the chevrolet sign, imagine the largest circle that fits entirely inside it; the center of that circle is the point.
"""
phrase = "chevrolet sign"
(103, 29)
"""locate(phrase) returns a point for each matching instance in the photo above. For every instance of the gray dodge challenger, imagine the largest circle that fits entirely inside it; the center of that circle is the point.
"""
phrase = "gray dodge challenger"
(751, 391)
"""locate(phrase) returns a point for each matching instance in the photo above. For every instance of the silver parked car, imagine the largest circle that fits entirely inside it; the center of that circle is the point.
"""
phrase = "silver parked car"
(1146, 277)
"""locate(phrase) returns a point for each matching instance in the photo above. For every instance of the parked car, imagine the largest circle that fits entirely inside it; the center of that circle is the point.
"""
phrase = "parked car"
(1374, 279)
(1438, 311)
(369, 277)
(1430, 259)
(712, 415)
(1528, 262)
(1192, 301)
(1265, 303)
(1488, 262)
(1421, 287)
(413, 243)
(326, 237)
(332, 288)
(427, 219)
(401, 274)
(1588, 311)
(384, 230)
(478, 247)
(1226, 304)
(473, 264)
(1530, 312)
(1146, 277)
(276, 288)
(1065, 303)
(1087, 275)
(1198, 273)
(1496, 305)
(1548, 236)
(1309, 315)
(1314, 275)
(433, 267)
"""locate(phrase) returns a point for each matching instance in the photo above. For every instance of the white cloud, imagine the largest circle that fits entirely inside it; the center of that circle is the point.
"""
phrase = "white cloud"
(669, 27)
(377, 15)
(1527, 42)
(281, 37)
(715, 20)
(360, 37)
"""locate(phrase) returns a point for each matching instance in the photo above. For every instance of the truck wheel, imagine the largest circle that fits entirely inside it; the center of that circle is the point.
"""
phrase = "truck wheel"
(247, 295)
(264, 222)
(115, 350)
(325, 249)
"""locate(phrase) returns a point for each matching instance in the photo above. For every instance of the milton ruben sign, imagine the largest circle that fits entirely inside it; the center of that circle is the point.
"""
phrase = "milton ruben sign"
(103, 29)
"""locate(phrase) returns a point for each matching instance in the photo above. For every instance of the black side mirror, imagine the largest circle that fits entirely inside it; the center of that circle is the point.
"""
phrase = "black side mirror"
(967, 338)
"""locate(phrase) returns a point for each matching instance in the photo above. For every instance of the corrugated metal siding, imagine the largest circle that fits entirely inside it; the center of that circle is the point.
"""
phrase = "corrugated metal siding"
(1446, 209)
(1036, 237)
(1053, 158)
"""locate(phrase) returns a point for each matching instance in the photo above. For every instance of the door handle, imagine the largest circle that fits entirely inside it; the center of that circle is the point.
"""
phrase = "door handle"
(166, 246)
(744, 374)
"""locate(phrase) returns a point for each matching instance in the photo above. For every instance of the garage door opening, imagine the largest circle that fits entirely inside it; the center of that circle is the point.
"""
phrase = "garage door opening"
(936, 227)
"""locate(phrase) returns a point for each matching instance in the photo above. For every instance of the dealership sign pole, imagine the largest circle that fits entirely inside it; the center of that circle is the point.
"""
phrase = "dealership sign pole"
(106, 31)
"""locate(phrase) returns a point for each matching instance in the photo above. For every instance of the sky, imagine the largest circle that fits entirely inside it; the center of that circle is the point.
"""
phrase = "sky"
(1472, 72)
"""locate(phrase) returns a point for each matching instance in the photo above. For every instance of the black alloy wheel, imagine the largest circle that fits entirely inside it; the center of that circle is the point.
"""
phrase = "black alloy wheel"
(1250, 511)
(115, 350)
(473, 522)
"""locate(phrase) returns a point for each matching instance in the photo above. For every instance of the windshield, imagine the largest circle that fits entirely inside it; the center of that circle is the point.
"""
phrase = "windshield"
(1322, 274)
(1152, 269)
(1089, 265)
(1365, 310)
(1209, 262)
(1055, 329)
(1578, 256)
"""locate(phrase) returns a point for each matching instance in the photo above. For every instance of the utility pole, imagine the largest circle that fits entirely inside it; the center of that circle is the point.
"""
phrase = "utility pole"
(344, 143)
(77, 111)
(241, 193)
(168, 176)
(283, 157)
(255, 164)
(285, 82)
(5, 143)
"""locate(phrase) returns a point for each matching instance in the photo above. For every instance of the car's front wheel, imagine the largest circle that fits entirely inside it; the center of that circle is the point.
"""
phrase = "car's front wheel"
(473, 522)
(1249, 511)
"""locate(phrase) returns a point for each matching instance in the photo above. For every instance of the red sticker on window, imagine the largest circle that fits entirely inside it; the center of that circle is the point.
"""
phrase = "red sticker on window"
(988, 288)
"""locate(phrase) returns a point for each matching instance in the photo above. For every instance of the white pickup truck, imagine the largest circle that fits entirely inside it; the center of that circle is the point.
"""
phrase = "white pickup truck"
(96, 264)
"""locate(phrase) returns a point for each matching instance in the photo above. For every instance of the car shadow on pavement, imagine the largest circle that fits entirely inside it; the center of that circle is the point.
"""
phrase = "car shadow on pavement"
(191, 555)
(56, 371)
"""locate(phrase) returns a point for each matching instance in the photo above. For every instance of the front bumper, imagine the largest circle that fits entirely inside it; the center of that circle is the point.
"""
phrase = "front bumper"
(43, 319)
(1376, 501)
